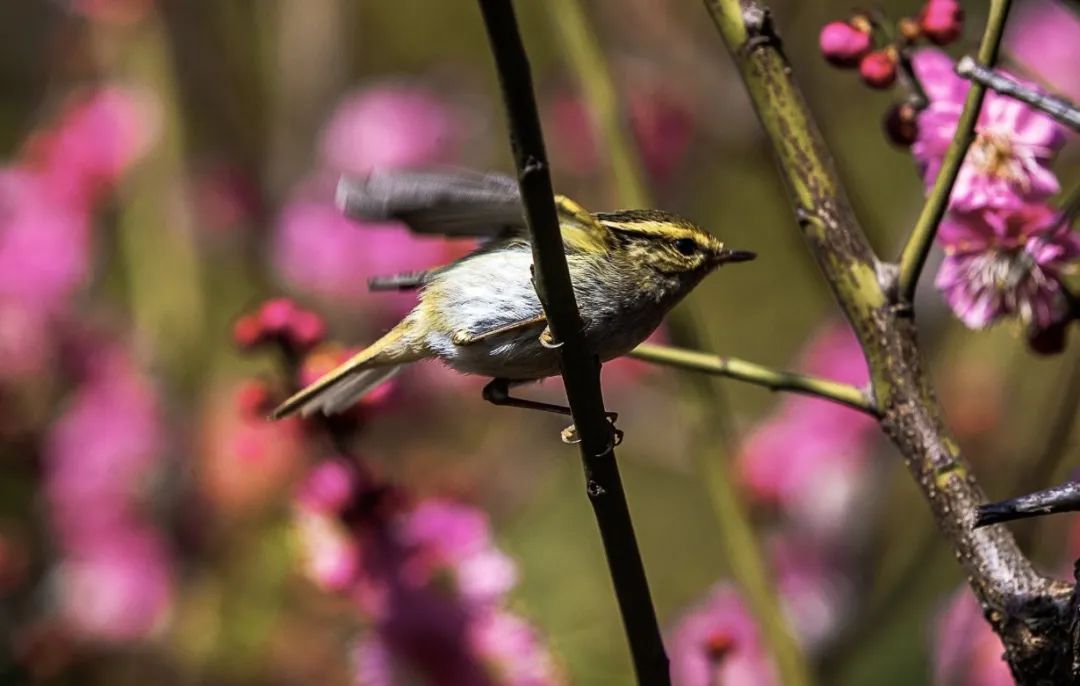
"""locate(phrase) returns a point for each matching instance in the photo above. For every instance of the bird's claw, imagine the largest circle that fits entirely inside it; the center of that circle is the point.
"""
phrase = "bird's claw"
(547, 339)
(570, 436)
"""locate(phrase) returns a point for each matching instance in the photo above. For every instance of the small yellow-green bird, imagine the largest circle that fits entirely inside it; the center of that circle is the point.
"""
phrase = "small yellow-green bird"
(480, 314)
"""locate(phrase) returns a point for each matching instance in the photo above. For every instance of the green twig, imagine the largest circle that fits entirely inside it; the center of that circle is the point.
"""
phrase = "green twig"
(598, 90)
(759, 375)
(913, 258)
(580, 366)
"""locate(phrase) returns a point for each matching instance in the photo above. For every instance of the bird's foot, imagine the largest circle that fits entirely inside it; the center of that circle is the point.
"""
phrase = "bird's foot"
(570, 436)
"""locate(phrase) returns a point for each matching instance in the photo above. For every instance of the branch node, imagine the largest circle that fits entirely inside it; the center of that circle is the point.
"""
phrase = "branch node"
(809, 216)
(532, 166)
(760, 32)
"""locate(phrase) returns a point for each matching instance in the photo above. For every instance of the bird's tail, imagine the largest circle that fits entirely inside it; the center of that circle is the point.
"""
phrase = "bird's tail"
(348, 382)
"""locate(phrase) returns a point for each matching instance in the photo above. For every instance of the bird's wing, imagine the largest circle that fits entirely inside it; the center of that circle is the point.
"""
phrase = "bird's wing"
(451, 202)
(448, 202)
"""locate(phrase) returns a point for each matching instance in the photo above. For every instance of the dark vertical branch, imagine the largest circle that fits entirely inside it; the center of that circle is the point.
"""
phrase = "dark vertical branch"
(580, 366)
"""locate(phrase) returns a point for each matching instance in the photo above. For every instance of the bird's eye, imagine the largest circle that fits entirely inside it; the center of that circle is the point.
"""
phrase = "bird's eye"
(687, 246)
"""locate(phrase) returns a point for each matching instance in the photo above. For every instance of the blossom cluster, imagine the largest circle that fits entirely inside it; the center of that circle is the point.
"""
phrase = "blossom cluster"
(104, 449)
(101, 459)
(48, 199)
(424, 574)
(1006, 248)
(320, 252)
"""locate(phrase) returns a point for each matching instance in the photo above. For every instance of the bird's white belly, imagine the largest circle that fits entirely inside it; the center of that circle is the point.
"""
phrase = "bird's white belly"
(492, 290)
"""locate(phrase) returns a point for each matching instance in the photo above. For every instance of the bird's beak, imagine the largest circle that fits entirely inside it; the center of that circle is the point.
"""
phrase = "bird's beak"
(726, 256)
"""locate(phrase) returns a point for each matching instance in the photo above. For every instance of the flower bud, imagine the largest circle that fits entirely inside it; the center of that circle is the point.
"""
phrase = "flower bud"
(277, 315)
(247, 332)
(901, 124)
(942, 21)
(878, 69)
(253, 398)
(909, 29)
(719, 645)
(306, 330)
(842, 44)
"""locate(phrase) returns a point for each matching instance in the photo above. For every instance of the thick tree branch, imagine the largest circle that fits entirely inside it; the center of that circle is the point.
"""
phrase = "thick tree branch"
(759, 375)
(918, 246)
(1028, 611)
(580, 366)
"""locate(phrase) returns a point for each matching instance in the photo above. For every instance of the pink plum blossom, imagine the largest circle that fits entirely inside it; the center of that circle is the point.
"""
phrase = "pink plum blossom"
(966, 650)
(44, 241)
(44, 259)
(328, 488)
(330, 555)
(119, 589)
(317, 249)
(716, 642)
(814, 587)
(98, 137)
(428, 576)
(1044, 36)
(505, 651)
(102, 450)
(810, 447)
(46, 206)
(661, 124)
(458, 538)
(115, 577)
(1007, 262)
(244, 462)
(320, 251)
(1009, 161)
(395, 125)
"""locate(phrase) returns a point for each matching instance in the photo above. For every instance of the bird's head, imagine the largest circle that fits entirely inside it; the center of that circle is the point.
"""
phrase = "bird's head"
(667, 244)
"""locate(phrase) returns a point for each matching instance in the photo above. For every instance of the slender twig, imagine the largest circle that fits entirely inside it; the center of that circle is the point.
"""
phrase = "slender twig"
(917, 96)
(1062, 406)
(580, 366)
(1058, 108)
(918, 246)
(1063, 498)
(597, 88)
(1023, 607)
(759, 375)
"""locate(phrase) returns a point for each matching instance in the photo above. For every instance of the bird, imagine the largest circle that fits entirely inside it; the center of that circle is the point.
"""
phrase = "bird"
(480, 314)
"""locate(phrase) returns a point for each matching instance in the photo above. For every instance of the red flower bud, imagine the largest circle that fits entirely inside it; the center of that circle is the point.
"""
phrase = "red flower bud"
(306, 330)
(942, 21)
(901, 124)
(276, 315)
(842, 44)
(719, 645)
(254, 399)
(878, 69)
(247, 332)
